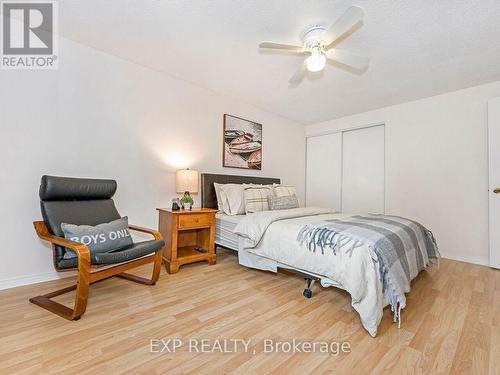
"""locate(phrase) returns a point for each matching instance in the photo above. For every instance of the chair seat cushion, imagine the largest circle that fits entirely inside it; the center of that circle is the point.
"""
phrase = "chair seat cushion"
(128, 253)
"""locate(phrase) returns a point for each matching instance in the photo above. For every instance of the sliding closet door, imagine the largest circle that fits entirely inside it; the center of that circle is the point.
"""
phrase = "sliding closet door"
(363, 169)
(324, 168)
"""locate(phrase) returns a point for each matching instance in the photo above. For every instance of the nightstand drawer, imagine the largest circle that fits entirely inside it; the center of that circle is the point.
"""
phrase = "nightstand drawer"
(194, 221)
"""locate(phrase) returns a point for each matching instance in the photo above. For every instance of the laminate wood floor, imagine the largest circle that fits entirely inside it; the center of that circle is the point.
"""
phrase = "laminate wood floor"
(451, 325)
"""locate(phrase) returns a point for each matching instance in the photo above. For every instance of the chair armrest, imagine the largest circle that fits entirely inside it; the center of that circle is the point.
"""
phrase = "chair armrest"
(157, 235)
(81, 250)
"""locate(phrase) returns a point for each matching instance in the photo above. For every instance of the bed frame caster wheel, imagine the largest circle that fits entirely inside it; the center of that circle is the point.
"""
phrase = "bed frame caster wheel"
(308, 290)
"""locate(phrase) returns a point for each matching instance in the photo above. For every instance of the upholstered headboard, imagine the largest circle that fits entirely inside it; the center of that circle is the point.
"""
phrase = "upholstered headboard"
(208, 197)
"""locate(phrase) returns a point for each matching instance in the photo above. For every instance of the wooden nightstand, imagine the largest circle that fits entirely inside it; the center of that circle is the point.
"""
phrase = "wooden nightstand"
(184, 231)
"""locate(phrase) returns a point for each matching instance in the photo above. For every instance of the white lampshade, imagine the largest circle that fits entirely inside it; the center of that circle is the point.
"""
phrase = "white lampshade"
(186, 180)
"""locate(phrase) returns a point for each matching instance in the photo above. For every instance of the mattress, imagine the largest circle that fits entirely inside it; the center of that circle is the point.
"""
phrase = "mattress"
(224, 225)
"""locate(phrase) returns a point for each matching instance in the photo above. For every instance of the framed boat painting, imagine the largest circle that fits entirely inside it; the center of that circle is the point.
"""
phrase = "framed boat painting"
(242, 143)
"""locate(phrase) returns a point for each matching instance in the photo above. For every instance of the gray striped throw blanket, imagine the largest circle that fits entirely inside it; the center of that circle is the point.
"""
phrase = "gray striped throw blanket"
(400, 248)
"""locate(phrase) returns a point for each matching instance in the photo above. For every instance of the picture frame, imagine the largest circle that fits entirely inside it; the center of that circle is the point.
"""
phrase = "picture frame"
(241, 143)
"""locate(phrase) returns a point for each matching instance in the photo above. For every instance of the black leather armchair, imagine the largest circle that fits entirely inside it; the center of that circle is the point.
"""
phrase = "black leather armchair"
(88, 202)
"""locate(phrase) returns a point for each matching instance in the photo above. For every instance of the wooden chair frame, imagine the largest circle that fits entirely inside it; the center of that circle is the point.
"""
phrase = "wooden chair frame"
(85, 277)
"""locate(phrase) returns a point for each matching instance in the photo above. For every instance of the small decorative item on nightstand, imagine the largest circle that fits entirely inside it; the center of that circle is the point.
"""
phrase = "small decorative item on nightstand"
(187, 201)
(186, 181)
(175, 204)
(189, 236)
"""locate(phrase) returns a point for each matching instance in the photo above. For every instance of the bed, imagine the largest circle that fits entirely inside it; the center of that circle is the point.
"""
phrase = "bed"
(225, 225)
(291, 239)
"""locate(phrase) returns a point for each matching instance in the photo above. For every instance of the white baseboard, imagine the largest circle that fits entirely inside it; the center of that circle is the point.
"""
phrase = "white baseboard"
(480, 262)
(32, 279)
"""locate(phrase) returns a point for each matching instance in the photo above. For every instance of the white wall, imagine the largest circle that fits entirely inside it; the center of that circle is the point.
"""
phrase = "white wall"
(437, 165)
(100, 116)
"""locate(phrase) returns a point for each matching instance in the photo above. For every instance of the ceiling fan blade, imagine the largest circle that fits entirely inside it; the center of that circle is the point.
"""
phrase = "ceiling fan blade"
(285, 47)
(299, 74)
(350, 18)
(347, 58)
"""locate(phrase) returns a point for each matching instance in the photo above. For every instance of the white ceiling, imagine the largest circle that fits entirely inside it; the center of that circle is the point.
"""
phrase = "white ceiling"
(417, 48)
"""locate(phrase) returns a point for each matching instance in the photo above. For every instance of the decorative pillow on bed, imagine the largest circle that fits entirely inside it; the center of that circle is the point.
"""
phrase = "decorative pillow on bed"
(102, 238)
(282, 203)
(256, 198)
(284, 190)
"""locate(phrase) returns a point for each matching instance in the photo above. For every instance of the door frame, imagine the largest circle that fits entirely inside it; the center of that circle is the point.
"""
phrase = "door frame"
(493, 259)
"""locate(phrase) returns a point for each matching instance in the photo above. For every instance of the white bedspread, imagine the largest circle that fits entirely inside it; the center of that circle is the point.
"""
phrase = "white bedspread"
(273, 234)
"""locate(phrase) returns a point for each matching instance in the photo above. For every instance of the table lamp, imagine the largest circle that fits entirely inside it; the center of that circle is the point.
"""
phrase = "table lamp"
(186, 181)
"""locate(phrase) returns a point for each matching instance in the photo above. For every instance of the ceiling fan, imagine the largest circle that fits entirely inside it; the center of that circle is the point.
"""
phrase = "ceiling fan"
(318, 43)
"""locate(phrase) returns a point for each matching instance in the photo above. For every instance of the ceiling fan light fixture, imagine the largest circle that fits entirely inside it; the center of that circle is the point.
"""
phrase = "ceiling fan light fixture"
(316, 62)
(318, 44)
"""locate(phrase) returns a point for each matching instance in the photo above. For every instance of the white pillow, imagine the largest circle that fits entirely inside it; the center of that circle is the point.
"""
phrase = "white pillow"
(256, 198)
(232, 199)
(217, 194)
(285, 190)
